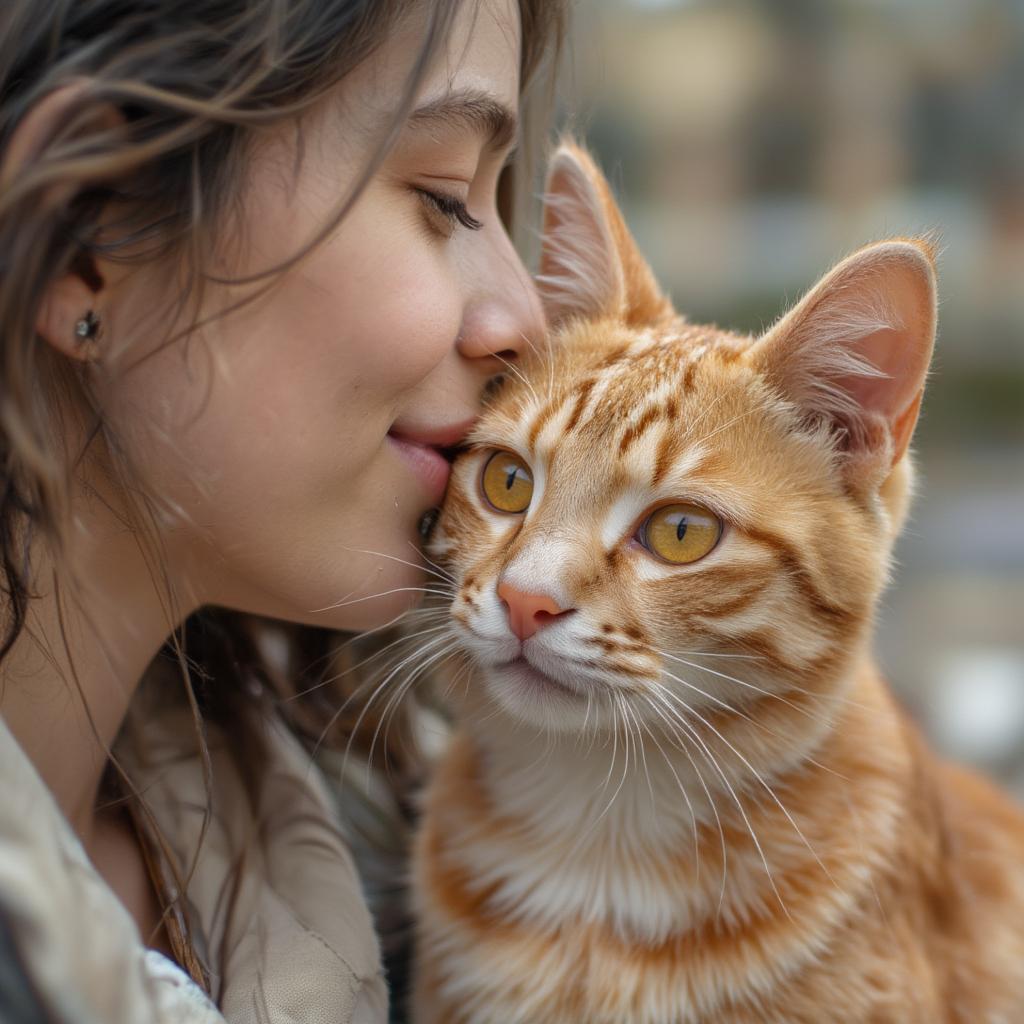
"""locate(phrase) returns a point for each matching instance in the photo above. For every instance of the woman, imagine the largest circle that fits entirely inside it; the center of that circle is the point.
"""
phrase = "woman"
(254, 279)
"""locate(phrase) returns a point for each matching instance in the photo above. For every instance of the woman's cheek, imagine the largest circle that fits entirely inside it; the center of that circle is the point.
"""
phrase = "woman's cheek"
(396, 287)
(412, 326)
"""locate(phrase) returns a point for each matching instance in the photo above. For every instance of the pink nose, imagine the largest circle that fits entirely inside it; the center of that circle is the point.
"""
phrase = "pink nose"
(528, 612)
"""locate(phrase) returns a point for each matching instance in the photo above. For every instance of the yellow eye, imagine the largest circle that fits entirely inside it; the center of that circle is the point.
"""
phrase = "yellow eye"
(507, 482)
(680, 533)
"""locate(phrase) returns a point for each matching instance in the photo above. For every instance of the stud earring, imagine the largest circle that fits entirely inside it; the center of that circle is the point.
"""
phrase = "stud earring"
(88, 327)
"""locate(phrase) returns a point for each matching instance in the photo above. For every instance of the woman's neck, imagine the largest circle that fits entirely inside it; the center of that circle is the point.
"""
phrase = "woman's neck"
(89, 635)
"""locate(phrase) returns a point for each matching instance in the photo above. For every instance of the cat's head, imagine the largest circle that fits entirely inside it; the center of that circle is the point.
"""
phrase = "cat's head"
(656, 515)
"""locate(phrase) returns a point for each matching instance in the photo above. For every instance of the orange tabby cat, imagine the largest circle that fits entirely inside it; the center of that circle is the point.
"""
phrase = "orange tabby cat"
(680, 790)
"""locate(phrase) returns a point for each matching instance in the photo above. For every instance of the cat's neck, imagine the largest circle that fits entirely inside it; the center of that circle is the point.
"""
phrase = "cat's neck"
(610, 818)
(659, 782)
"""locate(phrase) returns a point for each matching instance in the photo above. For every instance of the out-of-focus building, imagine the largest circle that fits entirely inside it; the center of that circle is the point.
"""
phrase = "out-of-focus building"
(754, 142)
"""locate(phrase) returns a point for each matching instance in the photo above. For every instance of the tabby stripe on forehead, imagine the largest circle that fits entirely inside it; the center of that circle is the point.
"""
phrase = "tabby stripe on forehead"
(541, 421)
(664, 458)
(581, 401)
(635, 430)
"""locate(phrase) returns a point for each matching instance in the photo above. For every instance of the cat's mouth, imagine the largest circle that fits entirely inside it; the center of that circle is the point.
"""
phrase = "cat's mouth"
(536, 679)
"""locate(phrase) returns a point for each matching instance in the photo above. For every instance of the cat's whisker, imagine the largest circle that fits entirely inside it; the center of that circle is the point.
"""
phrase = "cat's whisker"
(818, 697)
(729, 787)
(368, 683)
(581, 839)
(713, 654)
(643, 754)
(464, 671)
(677, 739)
(617, 707)
(439, 569)
(615, 747)
(725, 705)
(753, 721)
(429, 645)
(728, 423)
(400, 692)
(363, 634)
(404, 639)
(383, 593)
(705, 412)
(400, 643)
(686, 796)
(587, 728)
(519, 373)
(757, 775)
(420, 612)
(737, 711)
(546, 359)
(444, 576)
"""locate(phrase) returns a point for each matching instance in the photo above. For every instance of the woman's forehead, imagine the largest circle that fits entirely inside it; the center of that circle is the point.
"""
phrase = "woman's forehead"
(471, 86)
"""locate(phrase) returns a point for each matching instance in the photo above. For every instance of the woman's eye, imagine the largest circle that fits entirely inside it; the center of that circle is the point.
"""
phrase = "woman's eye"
(681, 533)
(507, 483)
(452, 208)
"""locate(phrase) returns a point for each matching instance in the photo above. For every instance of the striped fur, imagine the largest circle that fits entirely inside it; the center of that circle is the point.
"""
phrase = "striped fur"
(712, 810)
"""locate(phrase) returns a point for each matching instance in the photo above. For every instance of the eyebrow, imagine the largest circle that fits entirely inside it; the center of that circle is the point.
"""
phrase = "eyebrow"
(472, 111)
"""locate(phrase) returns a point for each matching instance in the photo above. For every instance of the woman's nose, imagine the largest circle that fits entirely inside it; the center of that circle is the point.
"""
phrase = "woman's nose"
(503, 316)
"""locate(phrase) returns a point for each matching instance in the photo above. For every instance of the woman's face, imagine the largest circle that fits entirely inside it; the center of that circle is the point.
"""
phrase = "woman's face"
(295, 434)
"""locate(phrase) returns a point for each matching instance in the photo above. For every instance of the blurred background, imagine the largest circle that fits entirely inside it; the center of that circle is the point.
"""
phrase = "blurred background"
(754, 142)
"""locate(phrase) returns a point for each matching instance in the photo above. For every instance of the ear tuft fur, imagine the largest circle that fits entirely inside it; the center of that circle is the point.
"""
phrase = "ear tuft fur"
(590, 266)
(855, 350)
(578, 276)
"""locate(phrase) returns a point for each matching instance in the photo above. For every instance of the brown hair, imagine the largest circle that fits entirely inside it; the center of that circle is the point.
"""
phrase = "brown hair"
(189, 81)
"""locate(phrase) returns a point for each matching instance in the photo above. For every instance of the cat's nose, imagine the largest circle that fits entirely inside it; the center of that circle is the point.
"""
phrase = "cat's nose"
(528, 612)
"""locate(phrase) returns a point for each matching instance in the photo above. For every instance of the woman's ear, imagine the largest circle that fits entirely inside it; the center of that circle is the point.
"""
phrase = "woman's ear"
(590, 265)
(71, 316)
(71, 310)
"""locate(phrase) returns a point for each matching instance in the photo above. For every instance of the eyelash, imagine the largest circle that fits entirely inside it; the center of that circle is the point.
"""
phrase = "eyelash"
(451, 207)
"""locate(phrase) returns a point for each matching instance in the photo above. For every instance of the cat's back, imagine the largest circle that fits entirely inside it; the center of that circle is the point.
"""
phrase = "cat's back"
(967, 841)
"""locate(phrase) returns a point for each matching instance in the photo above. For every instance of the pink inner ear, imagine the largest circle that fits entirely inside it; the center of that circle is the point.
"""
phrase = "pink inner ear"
(856, 349)
(891, 353)
(900, 353)
(903, 356)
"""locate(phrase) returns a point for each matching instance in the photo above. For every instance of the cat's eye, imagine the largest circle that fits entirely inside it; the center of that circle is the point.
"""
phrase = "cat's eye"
(681, 533)
(507, 482)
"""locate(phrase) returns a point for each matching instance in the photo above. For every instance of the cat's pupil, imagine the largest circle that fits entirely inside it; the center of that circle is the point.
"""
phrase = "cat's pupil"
(681, 528)
(510, 479)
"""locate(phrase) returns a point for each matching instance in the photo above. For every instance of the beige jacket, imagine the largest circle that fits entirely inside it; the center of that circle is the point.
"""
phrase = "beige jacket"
(294, 946)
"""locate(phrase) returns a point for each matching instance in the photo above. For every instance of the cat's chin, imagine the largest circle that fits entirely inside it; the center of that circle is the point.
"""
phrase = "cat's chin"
(533, 696)
(533, 682)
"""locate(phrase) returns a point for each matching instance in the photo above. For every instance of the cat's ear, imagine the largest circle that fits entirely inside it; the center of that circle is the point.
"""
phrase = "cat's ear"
(590, 266)
(855, 350)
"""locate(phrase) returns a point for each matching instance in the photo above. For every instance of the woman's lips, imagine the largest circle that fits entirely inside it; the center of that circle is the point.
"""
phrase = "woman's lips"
(428, 464)
(419, 444)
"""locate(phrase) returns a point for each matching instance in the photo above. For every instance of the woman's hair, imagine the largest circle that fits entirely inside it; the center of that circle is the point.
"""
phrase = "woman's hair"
(165, 97)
